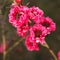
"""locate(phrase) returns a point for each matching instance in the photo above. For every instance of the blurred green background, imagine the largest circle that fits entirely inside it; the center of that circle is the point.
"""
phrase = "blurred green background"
(51, 8)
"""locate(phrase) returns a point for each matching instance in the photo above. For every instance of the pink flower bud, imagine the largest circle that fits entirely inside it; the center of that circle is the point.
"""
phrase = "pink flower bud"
(18, 1)
(3, 47)
(58, 55)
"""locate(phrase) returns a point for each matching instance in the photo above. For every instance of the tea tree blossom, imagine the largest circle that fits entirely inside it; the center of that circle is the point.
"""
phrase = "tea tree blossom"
(48, 24)
(35, 13)
(31, 44)
(18, 15)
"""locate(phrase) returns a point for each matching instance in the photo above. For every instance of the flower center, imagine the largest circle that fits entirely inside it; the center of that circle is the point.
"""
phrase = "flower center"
(37, 33)
(30, 43)
(46, 24)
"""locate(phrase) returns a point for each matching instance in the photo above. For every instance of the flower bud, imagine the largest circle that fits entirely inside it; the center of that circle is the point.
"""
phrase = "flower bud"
(18, 1)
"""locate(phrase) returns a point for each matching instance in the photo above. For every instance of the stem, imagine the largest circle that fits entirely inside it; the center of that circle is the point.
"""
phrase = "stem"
(50, 50)
(3, 38)
(14, 45)
(27, 3)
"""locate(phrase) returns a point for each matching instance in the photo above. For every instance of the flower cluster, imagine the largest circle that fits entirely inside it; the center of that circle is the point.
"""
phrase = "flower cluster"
(32, 24)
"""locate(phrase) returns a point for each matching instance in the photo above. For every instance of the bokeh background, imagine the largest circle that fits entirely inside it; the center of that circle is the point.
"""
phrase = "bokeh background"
(51, 8)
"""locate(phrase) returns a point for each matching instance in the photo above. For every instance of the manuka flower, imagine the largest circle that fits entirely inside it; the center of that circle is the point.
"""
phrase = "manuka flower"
(18, 15)
(48, 24)
(35, 13)
(38, 32)
(31, 44)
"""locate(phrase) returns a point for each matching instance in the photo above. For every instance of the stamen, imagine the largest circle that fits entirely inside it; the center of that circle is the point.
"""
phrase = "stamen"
(37, 33)
(46, 24)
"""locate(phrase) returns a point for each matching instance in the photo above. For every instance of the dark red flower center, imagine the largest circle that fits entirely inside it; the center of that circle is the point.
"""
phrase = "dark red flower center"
(46, 24)
(30, 44)
(37, 33)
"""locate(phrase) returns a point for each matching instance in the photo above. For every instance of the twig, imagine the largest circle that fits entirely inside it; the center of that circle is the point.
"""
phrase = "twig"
(3, 38)
(27, 3)
(14, 45)
(50, 50)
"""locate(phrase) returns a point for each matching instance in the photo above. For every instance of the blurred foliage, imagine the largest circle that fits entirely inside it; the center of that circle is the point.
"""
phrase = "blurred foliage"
(51, 9)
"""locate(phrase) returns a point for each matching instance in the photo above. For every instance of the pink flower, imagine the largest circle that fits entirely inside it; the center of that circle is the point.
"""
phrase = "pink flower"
(58, 55)
(35, 13)
(38, 32)
(18, 15)
(31, 45)
(48, 23)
